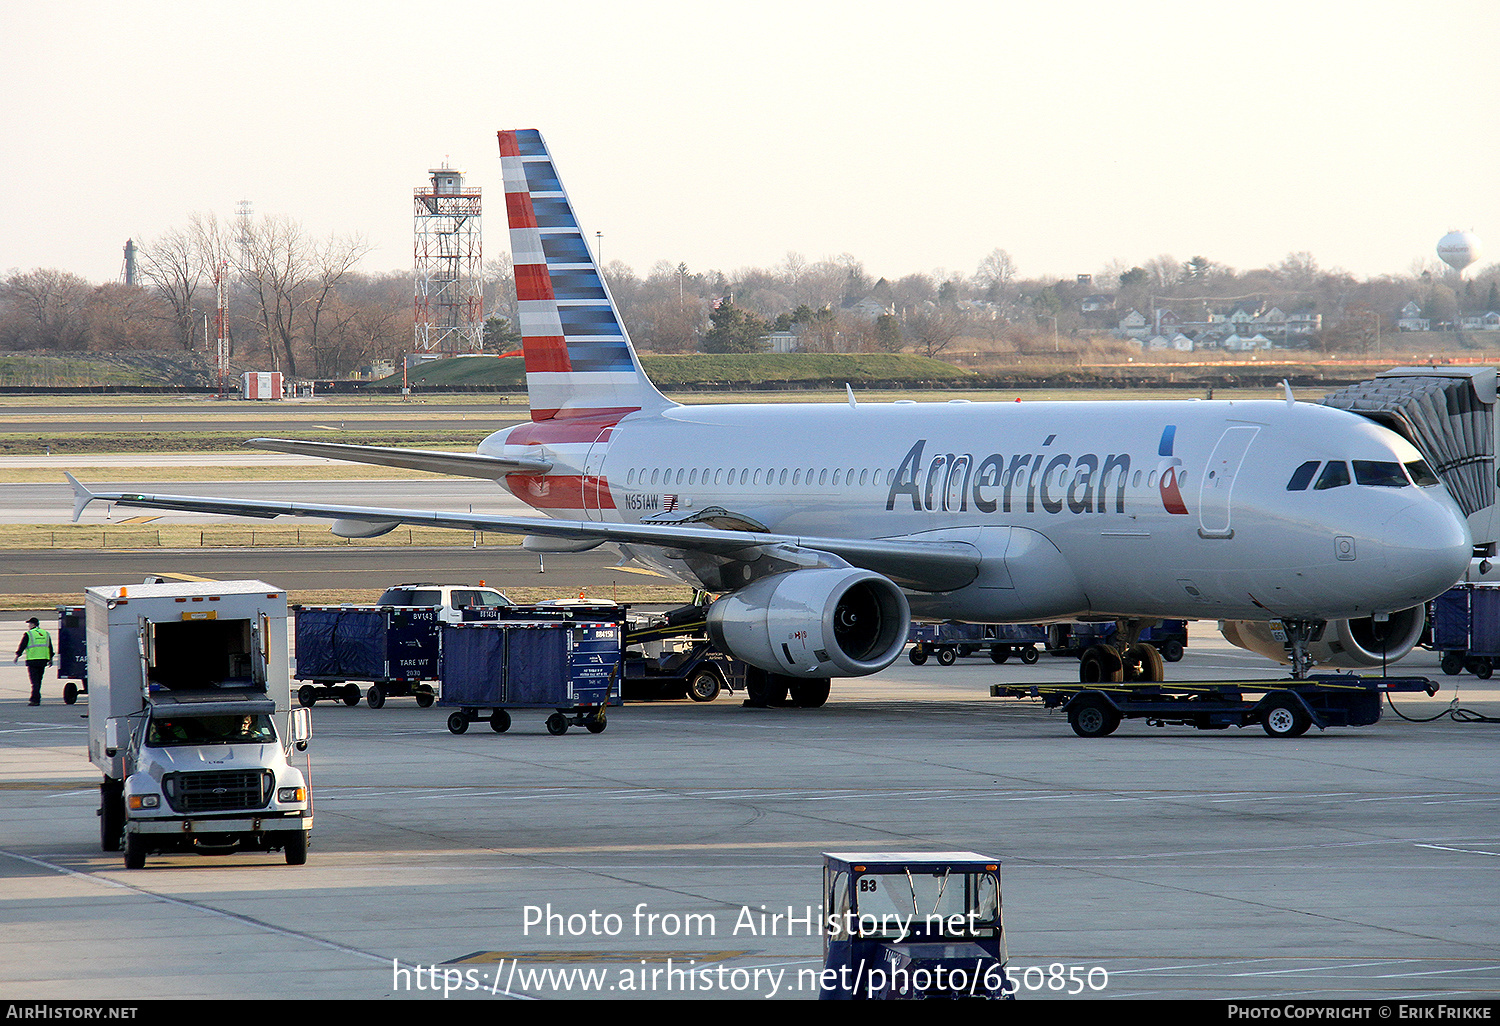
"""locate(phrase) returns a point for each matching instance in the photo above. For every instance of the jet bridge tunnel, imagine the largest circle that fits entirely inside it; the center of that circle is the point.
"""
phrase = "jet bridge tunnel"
(1448, 413)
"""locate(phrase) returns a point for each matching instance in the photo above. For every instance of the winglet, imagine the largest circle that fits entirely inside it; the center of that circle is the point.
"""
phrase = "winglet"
(1288, 386)
(81, 496)
(850, 389)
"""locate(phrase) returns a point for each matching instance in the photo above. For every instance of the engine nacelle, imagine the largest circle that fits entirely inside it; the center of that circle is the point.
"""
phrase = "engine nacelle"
(813, 623)
(1346, 643)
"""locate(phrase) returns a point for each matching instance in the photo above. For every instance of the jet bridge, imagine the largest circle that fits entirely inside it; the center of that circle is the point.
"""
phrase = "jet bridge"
(1448, 413)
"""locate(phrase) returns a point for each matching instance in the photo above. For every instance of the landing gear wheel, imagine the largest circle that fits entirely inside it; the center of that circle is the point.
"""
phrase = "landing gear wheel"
(375, 696)
(1030, 655)
(1285, 718)
(1171, 650)
(704, 686)
(1092, 716)
(947, 656)
(918, 655)
(1453, 663)
(499, 721)
(999, 654)
(351, 695)
(458, 723)
(296, 848)
(70, 693)
(809, 694)
(307, 696)
(557, 724)
(135, 852)
(1144, 663)
(596, 723)
(424, 697)
(1100, 664)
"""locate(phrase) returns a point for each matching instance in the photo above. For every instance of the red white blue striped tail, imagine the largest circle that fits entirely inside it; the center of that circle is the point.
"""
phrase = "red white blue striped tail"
(579, 361)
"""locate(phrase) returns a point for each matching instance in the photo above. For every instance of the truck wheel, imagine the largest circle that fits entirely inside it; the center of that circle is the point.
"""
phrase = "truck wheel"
(947, 656)
(596, 723)
(999, 653)
(375, 696)
(810, 694)
(351, 695)
(1029, 655)
(135, 852)
(424, 697)
(111, 814)
(307, 696)
(296, 848)
(918, 655)
(557, 724)
(1092, 716)
(70, 693)
(1285, 718)
(704, 686)
(499, 721)
(458, 723)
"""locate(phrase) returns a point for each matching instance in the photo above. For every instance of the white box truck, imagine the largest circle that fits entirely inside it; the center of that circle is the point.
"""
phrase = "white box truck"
(191, 720)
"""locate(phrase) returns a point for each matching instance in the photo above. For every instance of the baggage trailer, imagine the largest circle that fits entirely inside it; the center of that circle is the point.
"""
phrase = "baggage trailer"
(947, 641)
(912, 925)
(394, 648)
(1466, 629)
(569, 666)
(72, 652)
(191, 721)
(1285, 708)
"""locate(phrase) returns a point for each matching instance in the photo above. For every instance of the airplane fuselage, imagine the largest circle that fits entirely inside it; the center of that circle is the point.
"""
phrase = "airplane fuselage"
(1115, 508)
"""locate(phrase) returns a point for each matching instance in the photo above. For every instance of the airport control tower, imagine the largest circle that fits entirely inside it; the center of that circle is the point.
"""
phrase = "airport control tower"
(449, 265)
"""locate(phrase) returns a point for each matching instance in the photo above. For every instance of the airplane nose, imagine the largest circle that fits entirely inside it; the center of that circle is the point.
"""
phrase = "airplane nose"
(1427, 548)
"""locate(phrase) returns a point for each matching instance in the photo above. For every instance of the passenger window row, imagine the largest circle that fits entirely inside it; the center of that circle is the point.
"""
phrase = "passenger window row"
(778, 476)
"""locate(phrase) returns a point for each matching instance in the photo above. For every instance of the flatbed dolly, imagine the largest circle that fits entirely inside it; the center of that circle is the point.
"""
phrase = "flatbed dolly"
(1284, 708)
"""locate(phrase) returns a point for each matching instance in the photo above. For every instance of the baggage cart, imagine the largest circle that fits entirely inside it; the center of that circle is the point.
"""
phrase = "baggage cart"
(394, 648)
(72, 652)
(569, 666)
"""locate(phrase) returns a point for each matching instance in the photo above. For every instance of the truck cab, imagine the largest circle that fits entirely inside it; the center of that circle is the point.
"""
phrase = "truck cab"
(909, 925)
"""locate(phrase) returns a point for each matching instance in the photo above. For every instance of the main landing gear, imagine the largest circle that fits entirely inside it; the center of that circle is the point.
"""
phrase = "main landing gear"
(1127, 659)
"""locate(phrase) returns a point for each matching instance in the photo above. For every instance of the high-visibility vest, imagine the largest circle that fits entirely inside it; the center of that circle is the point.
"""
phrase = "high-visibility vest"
(38, 644)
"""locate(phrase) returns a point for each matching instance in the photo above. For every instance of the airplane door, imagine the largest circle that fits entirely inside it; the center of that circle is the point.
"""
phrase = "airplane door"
(595, 488)
(1216, 488)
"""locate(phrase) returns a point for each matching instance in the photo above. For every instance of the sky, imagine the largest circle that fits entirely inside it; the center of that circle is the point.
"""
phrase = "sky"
(917, 137)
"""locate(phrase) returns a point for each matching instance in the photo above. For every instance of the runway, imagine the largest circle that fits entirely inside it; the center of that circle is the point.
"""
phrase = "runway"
(1356, 864)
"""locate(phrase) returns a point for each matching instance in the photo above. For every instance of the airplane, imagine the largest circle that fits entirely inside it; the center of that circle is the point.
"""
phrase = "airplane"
(824, 528)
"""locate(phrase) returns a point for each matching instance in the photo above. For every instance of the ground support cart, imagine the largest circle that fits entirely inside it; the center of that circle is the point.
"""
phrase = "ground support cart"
(394, 648)
(1466, 629)
(569, 666)
(948, 641)
(72, 652)
(1284, 708)
(912, 925)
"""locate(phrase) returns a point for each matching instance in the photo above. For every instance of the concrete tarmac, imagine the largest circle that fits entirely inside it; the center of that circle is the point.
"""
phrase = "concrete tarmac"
(1161, 862)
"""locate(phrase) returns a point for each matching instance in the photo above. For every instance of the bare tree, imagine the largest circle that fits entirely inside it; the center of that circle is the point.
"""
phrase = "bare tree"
(932, 331)
(173, 265)
(45, 309)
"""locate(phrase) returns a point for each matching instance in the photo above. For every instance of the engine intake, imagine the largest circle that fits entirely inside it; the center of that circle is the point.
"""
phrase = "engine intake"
(814, 623)
(1362, 642)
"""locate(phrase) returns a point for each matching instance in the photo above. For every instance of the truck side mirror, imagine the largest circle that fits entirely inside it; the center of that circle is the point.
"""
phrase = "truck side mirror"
(301, 728)
(112, 736)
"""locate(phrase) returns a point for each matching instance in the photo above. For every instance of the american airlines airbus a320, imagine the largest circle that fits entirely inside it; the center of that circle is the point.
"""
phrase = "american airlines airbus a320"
(823, 528)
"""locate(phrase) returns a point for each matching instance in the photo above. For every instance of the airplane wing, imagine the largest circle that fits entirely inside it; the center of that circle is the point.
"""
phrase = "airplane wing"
(921, 565)
(462, 464)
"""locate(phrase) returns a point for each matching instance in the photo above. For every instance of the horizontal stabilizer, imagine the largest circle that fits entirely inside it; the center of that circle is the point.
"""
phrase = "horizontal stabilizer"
(462, 464)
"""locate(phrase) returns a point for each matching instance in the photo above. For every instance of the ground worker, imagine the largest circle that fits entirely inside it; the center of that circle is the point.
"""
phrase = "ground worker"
(36, 649)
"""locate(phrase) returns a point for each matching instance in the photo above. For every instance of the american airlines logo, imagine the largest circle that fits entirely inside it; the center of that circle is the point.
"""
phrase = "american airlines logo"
(1044, 480)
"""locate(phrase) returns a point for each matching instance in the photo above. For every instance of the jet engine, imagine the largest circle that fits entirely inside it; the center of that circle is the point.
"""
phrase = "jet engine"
(824, 622)
(1346, 643)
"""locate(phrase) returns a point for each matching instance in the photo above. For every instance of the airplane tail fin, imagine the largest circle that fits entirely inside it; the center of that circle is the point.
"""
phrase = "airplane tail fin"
(579, 360)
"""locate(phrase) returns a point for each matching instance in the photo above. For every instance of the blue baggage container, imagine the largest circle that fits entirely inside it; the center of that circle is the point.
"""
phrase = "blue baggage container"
(395, 648)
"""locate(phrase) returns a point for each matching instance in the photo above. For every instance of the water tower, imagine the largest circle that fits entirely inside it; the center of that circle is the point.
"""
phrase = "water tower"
(449, 265)
(1459, 249)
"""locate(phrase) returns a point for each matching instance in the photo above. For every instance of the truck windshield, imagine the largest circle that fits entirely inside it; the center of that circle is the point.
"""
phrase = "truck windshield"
(928, 904)
(171, 731)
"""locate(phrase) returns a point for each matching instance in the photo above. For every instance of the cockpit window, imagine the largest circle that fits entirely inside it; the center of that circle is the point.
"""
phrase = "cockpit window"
(1302, 476)
(1334, 475)
(1421, 474)
(1380, 474)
